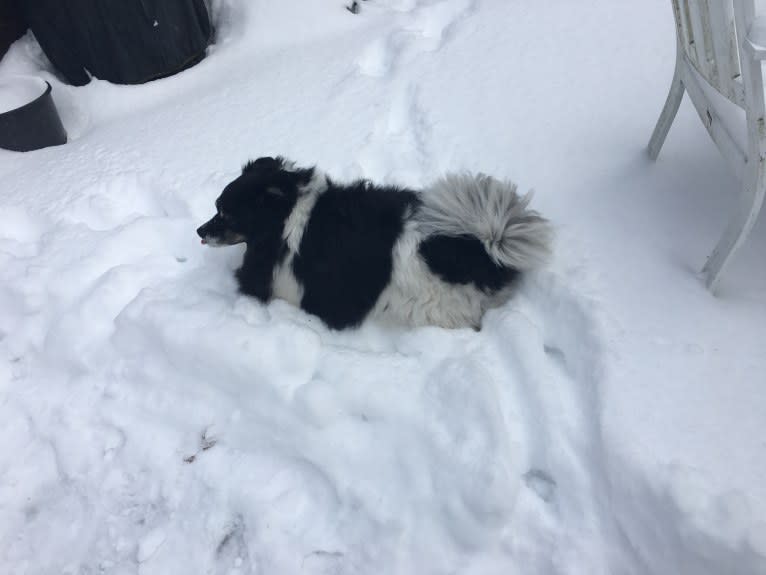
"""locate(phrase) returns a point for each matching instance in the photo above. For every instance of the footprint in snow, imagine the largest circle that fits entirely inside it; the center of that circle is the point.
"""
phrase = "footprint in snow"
(399, 141)
(541, 483)
(231, 553)
(420, 28)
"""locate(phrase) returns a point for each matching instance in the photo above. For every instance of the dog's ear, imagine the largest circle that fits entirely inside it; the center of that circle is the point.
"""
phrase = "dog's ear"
(266, 164)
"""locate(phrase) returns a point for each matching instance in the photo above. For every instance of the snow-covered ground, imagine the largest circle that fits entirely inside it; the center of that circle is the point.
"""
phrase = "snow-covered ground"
(611, 419)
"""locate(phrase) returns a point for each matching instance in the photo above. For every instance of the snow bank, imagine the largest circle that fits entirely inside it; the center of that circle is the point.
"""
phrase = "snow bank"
(154, 406)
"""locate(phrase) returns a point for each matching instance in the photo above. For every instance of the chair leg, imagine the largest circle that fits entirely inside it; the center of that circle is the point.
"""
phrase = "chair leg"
(668, 111)
(740, 224)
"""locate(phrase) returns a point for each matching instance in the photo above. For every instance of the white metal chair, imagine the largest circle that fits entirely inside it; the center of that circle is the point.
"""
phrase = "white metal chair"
(720, 45)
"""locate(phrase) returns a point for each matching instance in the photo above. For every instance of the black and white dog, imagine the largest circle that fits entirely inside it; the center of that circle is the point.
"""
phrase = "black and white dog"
(345, 252)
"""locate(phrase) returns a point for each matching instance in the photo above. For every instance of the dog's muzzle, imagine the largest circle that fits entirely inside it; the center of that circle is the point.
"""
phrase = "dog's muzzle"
(214, 233)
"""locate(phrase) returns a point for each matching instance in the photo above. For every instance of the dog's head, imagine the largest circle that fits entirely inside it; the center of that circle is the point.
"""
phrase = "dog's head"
(256, 204)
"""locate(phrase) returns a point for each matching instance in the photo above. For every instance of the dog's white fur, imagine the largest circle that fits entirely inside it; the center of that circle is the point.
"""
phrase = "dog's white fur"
(285, 284)
(416, 296)
(457, 204)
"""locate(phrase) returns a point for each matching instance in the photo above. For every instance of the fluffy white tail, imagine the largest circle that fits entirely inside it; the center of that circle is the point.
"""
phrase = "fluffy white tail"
(492, 211)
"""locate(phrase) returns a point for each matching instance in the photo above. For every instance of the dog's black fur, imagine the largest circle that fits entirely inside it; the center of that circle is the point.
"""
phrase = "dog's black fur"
(345, 256)
(463, 260)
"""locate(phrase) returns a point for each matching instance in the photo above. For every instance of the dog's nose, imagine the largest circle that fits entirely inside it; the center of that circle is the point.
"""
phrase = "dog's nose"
(202, 232)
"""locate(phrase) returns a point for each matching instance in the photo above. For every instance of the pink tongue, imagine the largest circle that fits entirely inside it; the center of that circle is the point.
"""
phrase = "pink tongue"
(203, 242)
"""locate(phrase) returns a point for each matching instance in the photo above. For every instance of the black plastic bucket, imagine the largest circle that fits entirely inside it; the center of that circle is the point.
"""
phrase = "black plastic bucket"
(28, 117)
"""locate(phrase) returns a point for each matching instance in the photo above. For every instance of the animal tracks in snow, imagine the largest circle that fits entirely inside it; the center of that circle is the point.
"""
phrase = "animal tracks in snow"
(419, 27)
(232, 554)
(399, 141)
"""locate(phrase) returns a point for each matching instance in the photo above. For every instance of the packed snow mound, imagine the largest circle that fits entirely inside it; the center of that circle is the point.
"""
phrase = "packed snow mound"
(150, 405)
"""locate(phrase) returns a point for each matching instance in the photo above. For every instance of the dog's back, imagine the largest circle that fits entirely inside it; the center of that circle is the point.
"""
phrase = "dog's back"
(345, 257)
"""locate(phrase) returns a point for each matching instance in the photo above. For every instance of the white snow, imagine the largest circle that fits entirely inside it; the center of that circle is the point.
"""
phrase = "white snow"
(610, 419)
(18, 91)
(149, 544)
